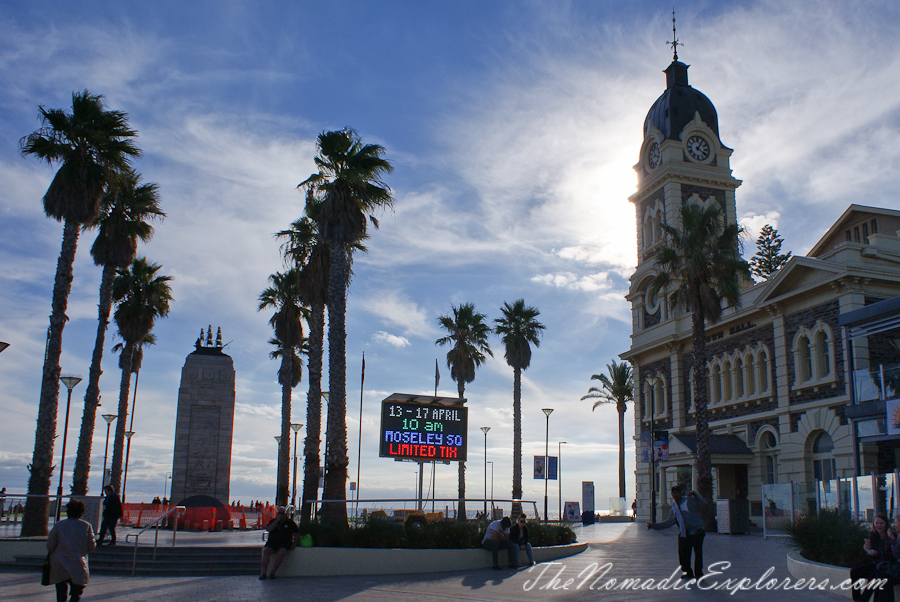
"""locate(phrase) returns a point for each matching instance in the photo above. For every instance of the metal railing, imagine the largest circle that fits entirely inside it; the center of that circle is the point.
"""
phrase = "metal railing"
(177, 510)
(375, 504)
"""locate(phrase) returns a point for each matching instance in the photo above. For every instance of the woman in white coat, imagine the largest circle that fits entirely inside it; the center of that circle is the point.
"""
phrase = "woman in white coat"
(69, 543)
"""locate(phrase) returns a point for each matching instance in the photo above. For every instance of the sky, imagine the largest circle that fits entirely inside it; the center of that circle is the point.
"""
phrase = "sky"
(512, 127)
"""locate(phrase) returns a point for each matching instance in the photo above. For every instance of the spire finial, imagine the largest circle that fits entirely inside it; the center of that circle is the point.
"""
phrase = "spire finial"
(674, 43)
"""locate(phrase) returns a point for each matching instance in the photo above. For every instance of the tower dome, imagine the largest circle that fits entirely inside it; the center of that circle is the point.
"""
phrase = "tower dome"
(676, 107)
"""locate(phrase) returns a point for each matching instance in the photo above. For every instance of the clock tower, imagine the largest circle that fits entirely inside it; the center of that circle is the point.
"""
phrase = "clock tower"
(682, 159)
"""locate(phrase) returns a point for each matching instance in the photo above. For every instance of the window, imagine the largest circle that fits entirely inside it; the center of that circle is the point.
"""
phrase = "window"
(659, 398)
(738, 378)
(726, 380)
(763, 371)
(715, 384)
(813, 356)
(804, 364)
(823, 364)
(751, 375)
(767, 445)
(865, 233)
(823, 458)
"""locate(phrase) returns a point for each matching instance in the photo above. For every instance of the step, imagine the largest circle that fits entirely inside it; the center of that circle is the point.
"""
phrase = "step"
(195, 560)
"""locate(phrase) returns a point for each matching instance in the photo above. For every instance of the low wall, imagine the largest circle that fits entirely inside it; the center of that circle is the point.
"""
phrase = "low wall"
(328, 562)
(801, 568)
(10, 548)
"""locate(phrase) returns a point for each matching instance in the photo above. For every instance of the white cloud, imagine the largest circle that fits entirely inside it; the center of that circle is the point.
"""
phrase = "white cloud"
(390, 339)
(399, 310)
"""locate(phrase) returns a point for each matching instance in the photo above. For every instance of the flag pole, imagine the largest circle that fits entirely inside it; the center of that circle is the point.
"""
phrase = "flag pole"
(437, 376)
(362, 383)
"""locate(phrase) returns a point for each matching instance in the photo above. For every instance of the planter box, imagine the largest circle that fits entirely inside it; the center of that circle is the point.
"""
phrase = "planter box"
(328, 562)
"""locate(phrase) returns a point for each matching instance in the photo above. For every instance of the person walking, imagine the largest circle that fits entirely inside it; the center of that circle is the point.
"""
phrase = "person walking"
(69, 543)
(2, 501)
(112, 512)
(685, 514)
(282, 537)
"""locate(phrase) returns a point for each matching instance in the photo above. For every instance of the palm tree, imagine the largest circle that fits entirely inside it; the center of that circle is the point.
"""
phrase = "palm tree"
(701, 266)
(617, 388)
(141, 297)
(348, 185)
(127, 206)
(518, 329)
(282, 296)
(305, 250)
(90, 143)
(468, 337)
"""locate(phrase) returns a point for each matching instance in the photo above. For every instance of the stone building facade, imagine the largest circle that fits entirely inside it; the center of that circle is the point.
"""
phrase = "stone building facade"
(778, 384)
(204, 425)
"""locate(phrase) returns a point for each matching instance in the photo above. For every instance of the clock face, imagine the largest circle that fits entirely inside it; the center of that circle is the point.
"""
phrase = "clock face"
(698, 148)
(653, 156)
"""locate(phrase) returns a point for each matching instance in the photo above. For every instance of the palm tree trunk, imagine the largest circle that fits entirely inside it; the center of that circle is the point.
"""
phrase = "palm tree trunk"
(703, 461)
(461, 475)
(119, 440)
(283, 493)
(621, 407)
(35, 520)
(335, 513)
(92, 396)
(517, 442)
(313, 411)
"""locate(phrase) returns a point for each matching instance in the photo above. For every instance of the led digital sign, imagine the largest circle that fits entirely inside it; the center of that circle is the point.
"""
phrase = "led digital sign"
(424, 432)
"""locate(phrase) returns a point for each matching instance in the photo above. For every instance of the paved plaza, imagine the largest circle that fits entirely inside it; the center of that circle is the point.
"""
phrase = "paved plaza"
(631, 551)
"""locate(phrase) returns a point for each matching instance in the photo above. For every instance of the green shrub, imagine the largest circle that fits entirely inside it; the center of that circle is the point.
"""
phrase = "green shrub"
(550, 535)
(829, 537)
(416, 532)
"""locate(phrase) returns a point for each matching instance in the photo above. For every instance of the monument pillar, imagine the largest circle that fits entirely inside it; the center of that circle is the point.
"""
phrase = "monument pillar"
(204, 423)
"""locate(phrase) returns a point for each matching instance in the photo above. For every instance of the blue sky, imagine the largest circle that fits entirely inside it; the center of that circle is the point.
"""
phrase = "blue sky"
(512, 127)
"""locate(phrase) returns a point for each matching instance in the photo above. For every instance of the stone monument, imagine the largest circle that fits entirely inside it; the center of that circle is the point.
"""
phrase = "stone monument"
(204, 423)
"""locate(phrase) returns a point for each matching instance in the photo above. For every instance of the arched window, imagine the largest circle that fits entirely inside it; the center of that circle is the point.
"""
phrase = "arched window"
(823, 361)
(823, 458)
(762, 366)
(659, 397)
(751, 375)
(738, 378)
(804, 360)
(726, 380)
(767, 445)
(715, 384)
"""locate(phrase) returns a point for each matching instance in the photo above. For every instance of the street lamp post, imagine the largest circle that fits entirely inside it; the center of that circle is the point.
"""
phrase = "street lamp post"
(547, 412)
(69, 382)
(128, 435)
(492, 487)
(559, 477)
(296, 426)
(485, 430)
(166, 486)
(109, 420)
(278, 459)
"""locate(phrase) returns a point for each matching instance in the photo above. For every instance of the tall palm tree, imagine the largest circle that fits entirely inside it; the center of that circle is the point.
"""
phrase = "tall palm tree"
(90, 143)
(617, 388)
(348, 185)
(127, 207)
(305, 250)
(701, 266)
(141, 296)
(282, 296)
(518, 329)
(467, 333)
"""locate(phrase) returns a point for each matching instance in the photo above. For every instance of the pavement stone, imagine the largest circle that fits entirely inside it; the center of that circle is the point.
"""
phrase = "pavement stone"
(632, 551)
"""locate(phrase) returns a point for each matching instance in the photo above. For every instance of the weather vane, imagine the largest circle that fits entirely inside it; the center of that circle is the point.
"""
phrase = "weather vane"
(674, 43)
